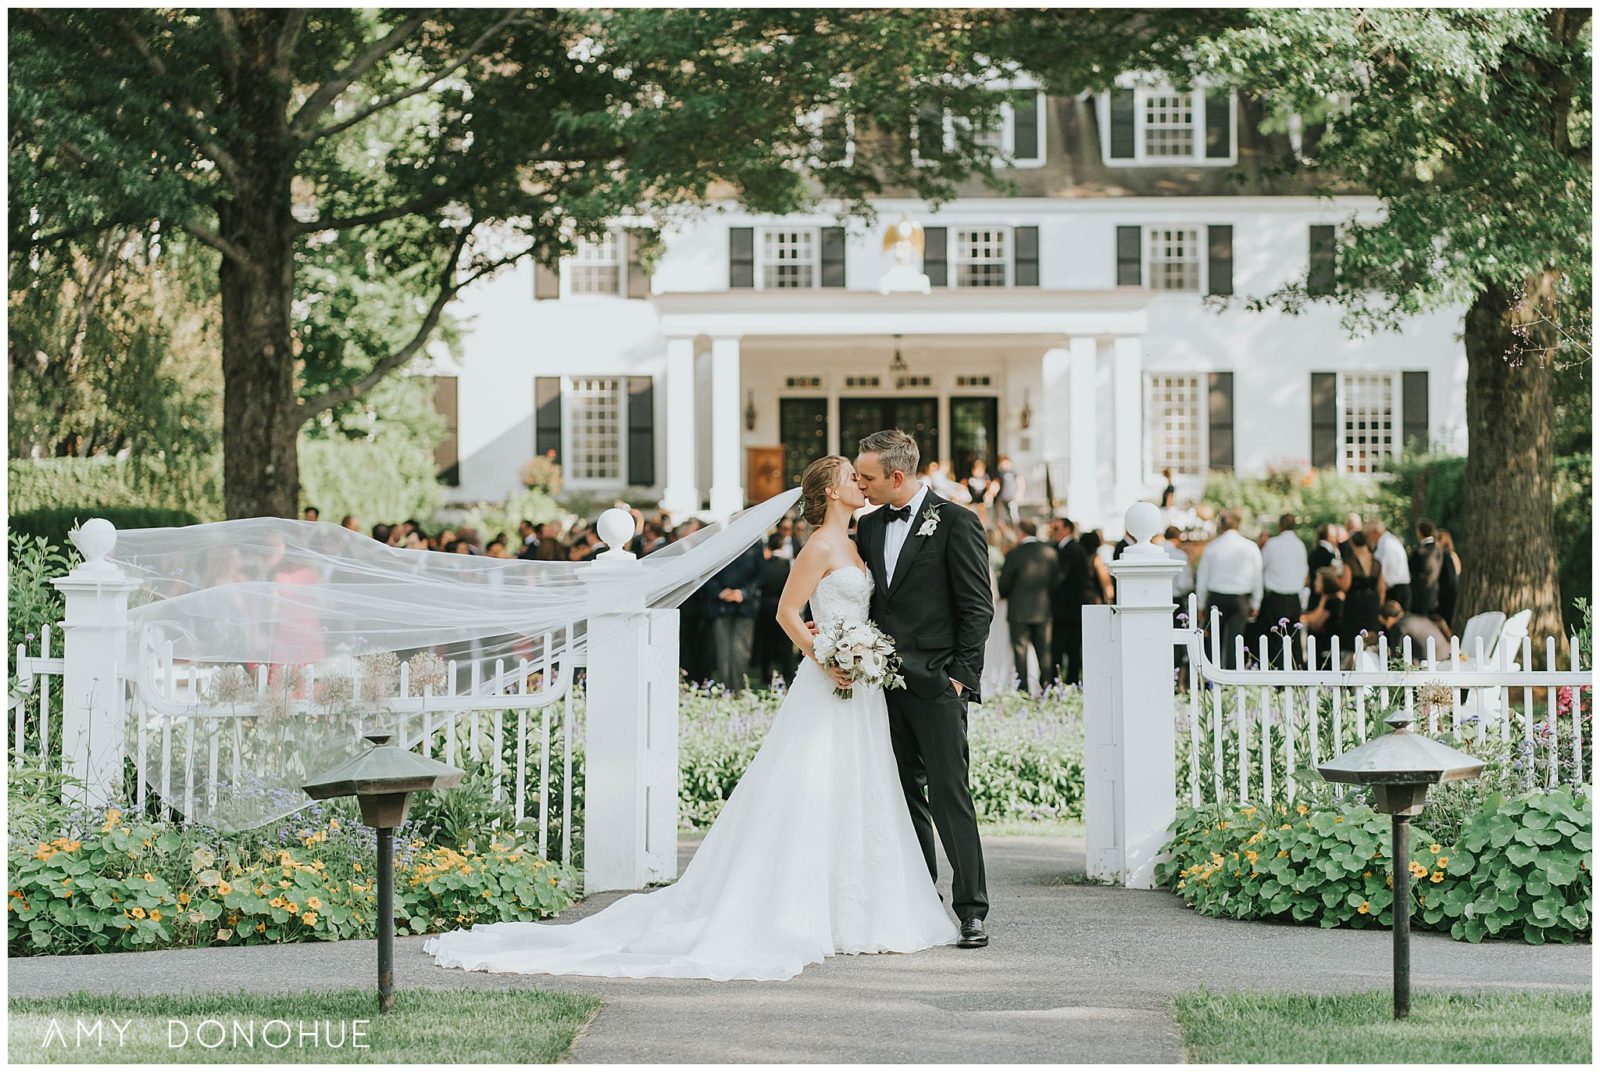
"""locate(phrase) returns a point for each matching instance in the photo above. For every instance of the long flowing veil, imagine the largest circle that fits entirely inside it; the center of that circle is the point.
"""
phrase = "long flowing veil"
(284, 639)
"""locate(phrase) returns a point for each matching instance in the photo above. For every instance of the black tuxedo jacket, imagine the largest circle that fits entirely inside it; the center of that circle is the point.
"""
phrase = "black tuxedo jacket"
(1028, 581)
(938, 605)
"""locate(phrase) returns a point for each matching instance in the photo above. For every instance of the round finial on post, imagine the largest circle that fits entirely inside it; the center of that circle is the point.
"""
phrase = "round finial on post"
(95, 539)
(616, 529)
(1142, 522)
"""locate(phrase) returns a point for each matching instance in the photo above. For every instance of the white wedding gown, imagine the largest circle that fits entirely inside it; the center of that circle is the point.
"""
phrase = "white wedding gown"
(812, 855)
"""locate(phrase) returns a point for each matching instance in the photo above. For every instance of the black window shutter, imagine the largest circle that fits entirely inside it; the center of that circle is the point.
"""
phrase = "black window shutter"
(832, 256)
(1129, 245)
(547, 416)
(1025, 265)
(741, 256)
(930, 130)
(1219, 419)
(638, 278)
(1025, 128)
(1324, 420)
(1219, 125)
(546, 282)
(1219, 259)
(447, 453)
(1319, 279)
(935, 256)
(641, 431)
(1122, 124)
(1414, 410)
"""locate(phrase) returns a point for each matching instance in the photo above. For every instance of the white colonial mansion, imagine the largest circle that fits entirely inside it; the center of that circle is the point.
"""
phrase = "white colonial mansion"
(1068, 326)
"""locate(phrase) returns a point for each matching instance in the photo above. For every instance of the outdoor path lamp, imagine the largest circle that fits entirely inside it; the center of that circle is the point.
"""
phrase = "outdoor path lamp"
(382, 779)
(1399, 766)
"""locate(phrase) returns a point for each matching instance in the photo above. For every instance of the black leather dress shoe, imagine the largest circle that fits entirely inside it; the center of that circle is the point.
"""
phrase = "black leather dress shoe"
(972, 934)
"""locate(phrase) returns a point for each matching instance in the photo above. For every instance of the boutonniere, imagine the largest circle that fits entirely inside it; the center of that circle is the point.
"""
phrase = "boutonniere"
(930, 521)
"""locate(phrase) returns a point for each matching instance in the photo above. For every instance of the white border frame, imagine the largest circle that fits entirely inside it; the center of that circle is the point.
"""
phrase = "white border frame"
(758, 258)
(1203, 427)
(1396, 416)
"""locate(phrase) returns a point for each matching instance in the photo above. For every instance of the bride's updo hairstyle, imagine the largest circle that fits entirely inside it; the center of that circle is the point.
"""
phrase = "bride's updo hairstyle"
(819, 476)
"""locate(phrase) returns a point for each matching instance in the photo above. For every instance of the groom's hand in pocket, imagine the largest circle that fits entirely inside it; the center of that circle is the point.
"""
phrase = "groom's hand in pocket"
(960, 688)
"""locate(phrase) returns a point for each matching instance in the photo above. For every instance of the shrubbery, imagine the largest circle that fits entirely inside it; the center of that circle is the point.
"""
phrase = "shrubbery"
(1520, 868)
(129, 883)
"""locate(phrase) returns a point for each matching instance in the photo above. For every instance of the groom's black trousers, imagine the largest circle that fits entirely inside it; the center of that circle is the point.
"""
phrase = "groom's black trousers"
(930, 749)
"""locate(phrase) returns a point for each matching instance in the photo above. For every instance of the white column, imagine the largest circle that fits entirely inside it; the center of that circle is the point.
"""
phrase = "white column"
(630, 821)
(727, 448)
(1054, 425)
(93, 707)
(680, 497)
(1130, 782)
(1126, 383)
(1083, 479)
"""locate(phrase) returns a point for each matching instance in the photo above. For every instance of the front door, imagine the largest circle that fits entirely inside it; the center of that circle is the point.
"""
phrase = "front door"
(803, 429)
(860, 417)
(974, 434)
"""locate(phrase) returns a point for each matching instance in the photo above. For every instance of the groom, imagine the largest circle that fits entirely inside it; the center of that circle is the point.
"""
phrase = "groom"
(930, 562)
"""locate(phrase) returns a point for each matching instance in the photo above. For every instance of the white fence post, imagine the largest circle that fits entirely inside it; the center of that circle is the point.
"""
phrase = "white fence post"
(1130, 795)
(630, 808)
(93, 699)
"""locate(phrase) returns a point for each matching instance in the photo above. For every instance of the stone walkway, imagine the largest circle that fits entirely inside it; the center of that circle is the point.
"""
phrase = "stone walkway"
(1075, 973)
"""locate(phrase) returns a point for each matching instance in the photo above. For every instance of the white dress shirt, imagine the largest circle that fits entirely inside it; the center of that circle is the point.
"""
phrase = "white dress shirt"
(1230, 565)
(1392, 553)
(896, 532)
(1284, 564)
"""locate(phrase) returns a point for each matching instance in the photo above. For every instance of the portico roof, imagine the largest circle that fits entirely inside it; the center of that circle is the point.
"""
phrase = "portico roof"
(946, 311)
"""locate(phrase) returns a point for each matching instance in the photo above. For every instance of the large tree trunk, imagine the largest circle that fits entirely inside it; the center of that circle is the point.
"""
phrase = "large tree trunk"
(260, 423)
(1508, 548)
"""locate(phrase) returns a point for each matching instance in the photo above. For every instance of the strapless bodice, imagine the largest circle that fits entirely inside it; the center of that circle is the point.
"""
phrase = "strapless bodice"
(842, 595)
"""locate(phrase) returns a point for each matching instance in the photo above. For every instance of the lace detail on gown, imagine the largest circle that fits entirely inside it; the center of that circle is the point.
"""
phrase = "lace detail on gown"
(812, 855)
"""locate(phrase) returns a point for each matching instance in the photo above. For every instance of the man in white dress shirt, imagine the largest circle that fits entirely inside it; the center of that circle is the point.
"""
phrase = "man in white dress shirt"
(1388, 550)
(1229, 579)
(1284, 568)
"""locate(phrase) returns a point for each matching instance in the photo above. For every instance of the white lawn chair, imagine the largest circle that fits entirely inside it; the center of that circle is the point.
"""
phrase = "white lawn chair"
(1512, 634)
(1486, 625)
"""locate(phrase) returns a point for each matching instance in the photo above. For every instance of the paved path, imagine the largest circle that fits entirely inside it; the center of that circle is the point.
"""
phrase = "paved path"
(1075, 973)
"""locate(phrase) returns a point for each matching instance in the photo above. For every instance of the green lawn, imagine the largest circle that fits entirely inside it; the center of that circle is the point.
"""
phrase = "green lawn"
(476, 1026)
(1484, 1028)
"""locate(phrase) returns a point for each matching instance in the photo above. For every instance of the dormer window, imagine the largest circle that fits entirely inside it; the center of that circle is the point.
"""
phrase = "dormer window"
(1016, 134)
(1148, 126)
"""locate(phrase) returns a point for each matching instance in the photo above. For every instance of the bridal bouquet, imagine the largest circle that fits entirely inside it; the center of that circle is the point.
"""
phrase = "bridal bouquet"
(862, 651)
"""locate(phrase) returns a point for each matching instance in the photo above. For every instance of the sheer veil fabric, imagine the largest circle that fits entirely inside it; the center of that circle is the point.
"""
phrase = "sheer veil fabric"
(288, 595)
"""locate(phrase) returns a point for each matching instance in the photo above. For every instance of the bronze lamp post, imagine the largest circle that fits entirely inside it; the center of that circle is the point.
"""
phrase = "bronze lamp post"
(1400, 766)
(382, 779)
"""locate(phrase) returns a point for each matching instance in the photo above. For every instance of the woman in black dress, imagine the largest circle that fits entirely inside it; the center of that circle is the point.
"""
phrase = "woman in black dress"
(1365, 595)
(1096, 579)
(1324, 620)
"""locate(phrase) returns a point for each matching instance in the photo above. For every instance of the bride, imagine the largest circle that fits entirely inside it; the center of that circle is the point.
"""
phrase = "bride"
(814, 852)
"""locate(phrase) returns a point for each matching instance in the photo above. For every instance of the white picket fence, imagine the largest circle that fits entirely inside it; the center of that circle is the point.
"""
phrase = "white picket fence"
(198, 728)
(1246, 724)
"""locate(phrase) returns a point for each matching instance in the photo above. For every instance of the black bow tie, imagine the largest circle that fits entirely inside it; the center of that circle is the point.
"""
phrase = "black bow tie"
(897, 513)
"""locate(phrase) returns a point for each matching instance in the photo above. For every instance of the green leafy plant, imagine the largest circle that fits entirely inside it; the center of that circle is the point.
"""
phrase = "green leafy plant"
(1521, 868)
(130, 884)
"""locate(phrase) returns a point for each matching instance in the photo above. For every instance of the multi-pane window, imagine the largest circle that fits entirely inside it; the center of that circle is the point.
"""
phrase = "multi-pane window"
(789, 257)
(1173, 424)
(1366, 420)
(982, 259)
(1169, 126)
(1174, 258)
(596, 421)
(596, 267)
